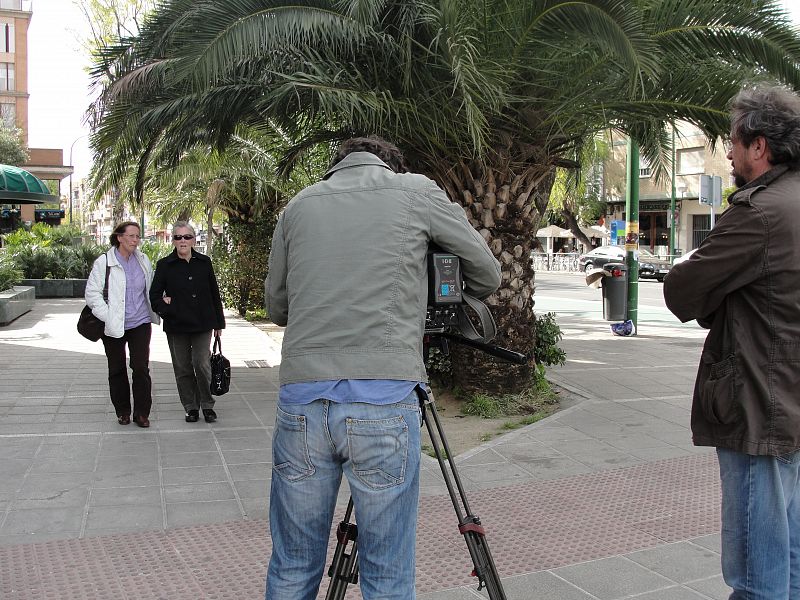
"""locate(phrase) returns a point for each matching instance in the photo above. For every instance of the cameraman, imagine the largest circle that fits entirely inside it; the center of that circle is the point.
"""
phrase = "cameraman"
(348, 279)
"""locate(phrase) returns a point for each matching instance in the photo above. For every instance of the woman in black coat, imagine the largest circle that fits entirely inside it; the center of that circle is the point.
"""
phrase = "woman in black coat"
(186, 295)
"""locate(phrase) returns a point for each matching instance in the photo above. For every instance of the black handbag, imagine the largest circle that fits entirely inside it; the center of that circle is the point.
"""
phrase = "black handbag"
(220, 370)
(90, 326)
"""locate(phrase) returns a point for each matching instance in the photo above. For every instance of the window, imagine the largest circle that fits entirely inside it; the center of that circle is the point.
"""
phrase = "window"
(12, 4)
(7, 76)
(701, 226)
(8, 115)
(691, 161)
(644, 168)
(7, 41)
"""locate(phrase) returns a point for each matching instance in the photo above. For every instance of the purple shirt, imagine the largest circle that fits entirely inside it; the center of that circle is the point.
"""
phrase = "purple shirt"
(137, 307)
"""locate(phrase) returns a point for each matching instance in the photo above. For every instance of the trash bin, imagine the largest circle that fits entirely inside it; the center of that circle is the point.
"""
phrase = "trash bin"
(615, 291)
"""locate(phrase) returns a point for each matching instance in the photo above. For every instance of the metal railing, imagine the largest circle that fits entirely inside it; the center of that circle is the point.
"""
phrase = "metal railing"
(563, 262)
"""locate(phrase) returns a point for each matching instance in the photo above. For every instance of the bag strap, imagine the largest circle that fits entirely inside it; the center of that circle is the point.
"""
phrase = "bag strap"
(217, 345)
(488, 326)
(105, 286)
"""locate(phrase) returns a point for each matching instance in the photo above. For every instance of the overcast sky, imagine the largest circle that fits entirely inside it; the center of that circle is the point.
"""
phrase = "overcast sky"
(59, 84)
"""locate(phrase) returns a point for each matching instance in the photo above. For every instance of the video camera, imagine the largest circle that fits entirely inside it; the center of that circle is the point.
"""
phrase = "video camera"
(446, 317)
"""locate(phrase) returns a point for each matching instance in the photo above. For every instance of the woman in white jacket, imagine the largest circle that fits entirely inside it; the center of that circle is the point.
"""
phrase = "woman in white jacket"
(128, 318)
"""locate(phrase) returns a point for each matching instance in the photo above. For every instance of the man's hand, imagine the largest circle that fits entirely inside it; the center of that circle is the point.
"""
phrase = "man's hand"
(167, 299)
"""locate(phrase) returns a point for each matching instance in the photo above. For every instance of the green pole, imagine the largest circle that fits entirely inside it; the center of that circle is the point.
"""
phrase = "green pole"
(632, 231)
(672, 202)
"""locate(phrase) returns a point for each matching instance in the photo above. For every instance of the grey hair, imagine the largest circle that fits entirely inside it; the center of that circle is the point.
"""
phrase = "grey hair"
(182, 225)
(772, 112)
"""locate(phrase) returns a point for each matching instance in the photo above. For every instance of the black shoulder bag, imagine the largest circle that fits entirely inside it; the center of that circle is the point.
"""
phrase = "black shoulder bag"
(90, 326)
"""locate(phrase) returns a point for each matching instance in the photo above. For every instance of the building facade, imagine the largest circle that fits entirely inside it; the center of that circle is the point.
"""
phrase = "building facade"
(694, 156)
(46, 163)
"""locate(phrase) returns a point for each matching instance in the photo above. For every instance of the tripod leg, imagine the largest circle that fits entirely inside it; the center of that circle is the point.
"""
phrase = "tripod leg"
(344, 567)
(469, 525)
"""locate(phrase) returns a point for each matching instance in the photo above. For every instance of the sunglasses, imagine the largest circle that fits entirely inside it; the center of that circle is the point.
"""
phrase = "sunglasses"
(182, 237)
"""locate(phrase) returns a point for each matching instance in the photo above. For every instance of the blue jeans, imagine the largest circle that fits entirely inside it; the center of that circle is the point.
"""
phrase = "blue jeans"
(760, 525)
(378, 449)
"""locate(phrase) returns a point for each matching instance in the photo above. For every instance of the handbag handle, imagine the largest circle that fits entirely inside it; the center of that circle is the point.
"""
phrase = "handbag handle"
(217, 349)
(105, 285)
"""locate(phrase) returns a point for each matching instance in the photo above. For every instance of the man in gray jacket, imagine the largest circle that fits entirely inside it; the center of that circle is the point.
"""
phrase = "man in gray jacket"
(348, 279)
(743, 283)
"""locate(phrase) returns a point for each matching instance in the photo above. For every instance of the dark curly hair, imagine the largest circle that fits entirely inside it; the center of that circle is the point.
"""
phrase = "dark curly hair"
(386, 151)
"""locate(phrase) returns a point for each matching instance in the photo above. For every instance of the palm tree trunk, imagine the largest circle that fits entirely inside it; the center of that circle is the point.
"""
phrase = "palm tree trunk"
(118, 207)
(209, 230)
(505, 207)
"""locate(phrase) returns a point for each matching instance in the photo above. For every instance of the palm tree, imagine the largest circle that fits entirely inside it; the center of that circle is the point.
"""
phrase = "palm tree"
(488, 97)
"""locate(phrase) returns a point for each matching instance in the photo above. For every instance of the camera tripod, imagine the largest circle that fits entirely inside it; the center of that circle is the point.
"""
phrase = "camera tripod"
(344, 566)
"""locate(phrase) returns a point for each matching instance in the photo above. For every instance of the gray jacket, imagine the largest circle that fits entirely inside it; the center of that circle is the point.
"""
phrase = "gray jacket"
(347, 271)
(742, 283)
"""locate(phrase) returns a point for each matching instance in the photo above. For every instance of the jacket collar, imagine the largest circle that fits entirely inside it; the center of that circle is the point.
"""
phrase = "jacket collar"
(173, 256)
(111, 256)
(356, 159)
(742, 195)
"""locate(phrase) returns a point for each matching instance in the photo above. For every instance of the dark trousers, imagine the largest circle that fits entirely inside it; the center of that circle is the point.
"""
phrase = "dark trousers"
(138, 341)
(191, 361)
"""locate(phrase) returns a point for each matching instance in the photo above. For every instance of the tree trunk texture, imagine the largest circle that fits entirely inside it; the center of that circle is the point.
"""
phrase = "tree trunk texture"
(505, 206)
(575, 228)
(118, 208)
(209, 230)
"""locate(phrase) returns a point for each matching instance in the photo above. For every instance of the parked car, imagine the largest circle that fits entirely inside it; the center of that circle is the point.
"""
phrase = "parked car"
(599, 256)
(650, 265)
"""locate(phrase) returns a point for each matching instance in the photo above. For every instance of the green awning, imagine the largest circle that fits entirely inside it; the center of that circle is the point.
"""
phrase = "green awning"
(18, 186)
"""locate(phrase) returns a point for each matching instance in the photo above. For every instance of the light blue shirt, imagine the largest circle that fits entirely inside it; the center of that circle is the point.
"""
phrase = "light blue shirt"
(369, 391)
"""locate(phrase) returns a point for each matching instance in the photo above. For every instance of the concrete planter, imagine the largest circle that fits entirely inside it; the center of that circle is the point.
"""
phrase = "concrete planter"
(57, 288)
(16, 302)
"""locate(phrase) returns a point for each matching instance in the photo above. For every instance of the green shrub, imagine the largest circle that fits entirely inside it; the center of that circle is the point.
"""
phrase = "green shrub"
(56, 262)
(155, 251)
(86, 254)
(548, 335)
(63, 235)
(22, 238)
(240, 257)
(34, 261)
(64, 263)
(10, 275)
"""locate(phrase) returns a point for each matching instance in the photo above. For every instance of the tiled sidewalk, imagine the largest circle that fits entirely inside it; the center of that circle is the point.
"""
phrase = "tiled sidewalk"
(607, 499)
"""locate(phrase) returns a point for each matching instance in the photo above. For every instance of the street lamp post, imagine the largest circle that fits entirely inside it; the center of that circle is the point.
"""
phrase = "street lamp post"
(72, 146)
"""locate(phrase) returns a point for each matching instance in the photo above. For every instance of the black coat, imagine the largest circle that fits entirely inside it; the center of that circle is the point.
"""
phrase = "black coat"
(196, 305)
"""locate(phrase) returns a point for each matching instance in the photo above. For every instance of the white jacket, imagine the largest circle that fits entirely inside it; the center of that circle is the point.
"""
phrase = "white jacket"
(113, 313)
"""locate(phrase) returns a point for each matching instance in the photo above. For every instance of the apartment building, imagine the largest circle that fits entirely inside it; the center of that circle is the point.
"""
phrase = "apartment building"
(46, 163)
(694, 156)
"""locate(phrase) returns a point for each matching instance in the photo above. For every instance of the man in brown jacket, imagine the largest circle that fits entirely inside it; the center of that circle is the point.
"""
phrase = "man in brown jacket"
(743, 283)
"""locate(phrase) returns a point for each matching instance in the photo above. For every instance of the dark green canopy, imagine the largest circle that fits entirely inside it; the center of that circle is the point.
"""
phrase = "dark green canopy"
(18, 186)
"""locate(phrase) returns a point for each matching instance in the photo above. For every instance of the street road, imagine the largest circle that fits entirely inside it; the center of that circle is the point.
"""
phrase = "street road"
(663, 356)
(579, 308)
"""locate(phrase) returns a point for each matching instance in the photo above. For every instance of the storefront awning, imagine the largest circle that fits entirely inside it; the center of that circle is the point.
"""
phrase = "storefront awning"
(18, 186)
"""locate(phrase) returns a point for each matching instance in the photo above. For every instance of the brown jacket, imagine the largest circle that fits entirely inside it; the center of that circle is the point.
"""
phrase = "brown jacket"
(744, 283)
